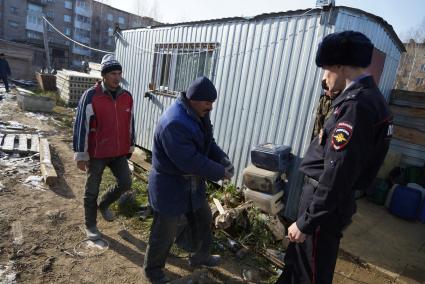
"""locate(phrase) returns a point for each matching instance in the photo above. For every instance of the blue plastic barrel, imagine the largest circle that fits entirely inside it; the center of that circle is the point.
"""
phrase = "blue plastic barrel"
(405, 202)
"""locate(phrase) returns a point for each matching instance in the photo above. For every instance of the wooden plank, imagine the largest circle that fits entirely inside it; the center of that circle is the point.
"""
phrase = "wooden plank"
(23, 145)
(139, 158)
(34, 143)
(408, 111)
(409, 135)
(47, 170)
(9, 143)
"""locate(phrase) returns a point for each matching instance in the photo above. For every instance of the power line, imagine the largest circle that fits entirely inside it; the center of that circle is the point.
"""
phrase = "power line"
(74, 41)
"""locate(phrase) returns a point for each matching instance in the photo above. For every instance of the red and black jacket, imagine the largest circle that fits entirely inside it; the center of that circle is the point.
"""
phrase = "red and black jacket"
(104, 126)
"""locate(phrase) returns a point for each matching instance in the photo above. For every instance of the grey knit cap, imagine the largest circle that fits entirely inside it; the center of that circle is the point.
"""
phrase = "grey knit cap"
(109, 63)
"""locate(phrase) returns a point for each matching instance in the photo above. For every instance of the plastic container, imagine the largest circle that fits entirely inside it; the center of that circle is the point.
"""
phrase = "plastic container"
(269, 203)
(405, 202)
(262, 180)
(414, 174)
(422, 213)
(418, 187)
(271, 157)
(390, 195)
(379, 192)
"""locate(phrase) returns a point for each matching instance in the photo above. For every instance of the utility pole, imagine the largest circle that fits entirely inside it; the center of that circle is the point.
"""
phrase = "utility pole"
(46, 45)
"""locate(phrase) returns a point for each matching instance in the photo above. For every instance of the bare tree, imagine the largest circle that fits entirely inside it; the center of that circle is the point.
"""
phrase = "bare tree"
(416, 33)
(146, 8)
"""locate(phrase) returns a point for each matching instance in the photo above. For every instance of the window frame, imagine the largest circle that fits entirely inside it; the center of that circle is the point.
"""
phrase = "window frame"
(170, 75)
(69, 3)
(65, 16)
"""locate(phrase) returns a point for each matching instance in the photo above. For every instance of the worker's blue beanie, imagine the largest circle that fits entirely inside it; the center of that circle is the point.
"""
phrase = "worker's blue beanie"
(202, 89)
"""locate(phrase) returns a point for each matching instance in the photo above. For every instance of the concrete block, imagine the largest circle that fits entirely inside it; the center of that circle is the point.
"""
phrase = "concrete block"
(35, 103)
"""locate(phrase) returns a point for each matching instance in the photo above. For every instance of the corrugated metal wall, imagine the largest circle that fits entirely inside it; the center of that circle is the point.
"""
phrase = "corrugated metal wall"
(348, 20)
(267, 81)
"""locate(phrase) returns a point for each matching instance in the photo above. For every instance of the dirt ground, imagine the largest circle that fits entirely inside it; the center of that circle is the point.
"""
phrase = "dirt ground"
(41, 226)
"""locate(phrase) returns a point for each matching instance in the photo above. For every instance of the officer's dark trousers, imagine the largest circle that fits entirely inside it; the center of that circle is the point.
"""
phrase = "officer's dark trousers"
(119, 168)
(312, 261)
(164, 231)
(6, 83)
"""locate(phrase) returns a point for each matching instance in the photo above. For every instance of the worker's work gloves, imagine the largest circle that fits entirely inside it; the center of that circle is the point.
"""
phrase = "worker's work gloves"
(229, 169)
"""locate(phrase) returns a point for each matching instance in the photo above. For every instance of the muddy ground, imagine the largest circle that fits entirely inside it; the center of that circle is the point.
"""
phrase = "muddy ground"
(41, 227)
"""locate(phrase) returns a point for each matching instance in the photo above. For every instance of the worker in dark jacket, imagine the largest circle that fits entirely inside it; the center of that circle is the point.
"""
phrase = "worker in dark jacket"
(346, 156)
(184, 156)
(104, 137)
(4, 71)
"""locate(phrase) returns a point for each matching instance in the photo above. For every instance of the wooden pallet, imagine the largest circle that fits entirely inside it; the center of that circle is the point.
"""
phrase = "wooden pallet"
(21, 143)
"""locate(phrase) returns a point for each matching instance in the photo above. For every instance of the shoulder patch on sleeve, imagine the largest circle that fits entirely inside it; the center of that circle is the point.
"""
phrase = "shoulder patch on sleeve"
(341, 135)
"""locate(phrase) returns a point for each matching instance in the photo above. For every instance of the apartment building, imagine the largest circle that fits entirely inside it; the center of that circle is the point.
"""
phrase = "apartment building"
(86, 21)
(411, 71)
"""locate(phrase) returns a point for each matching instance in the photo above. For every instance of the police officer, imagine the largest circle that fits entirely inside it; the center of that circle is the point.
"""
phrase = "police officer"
(344, 157)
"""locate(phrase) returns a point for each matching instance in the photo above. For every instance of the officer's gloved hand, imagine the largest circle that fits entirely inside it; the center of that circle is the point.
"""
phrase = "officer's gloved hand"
(229, 169)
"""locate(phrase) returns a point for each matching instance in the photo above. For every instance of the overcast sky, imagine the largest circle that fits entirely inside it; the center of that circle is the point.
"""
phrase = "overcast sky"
(402, 15)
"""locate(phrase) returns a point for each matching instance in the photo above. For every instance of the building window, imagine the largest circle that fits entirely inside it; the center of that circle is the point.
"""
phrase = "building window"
(13, 24)
(423, 68)
(67, 18)
(50, 14)
(121, 20)
(14, 10)
(82, 33)
(68, 4)
(83, 19)
(110, 32)
(67, 31)
(82, 4)
(32, 8)
(110, 17)
(177, 65)
(419, 81)
(34, 19)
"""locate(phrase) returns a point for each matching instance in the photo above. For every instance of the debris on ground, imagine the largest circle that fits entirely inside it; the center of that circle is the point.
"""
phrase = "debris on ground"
(37, 115)
(47, 266)
(7, 274)
(35, 182)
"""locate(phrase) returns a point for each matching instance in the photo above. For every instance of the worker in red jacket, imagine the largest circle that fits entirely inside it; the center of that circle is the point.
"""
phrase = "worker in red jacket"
(104, 137)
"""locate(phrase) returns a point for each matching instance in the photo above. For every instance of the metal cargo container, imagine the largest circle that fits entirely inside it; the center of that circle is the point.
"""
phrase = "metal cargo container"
(264, 70)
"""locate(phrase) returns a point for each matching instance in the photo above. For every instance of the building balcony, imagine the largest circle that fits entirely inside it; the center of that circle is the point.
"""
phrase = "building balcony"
(76, 49)
(34, 27)
(81, 25)
(39, 2)
(82, 39)
(86, 11)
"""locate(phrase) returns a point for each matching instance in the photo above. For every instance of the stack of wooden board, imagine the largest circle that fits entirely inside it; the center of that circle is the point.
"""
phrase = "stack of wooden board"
(409, 126)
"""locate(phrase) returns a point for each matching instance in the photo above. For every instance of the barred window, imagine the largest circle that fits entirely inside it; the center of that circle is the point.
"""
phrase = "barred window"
(176, 65)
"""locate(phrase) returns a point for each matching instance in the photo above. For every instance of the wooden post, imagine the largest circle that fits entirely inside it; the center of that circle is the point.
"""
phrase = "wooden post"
(46, 45)
(47, 170)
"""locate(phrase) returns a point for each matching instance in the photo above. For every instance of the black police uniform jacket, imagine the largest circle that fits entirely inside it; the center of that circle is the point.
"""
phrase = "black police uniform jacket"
(345, 156)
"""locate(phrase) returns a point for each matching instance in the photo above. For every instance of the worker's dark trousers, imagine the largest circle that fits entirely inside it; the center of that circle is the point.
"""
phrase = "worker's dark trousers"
(119, 168)
(312, 261)
(164, 231)
(6, 83)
